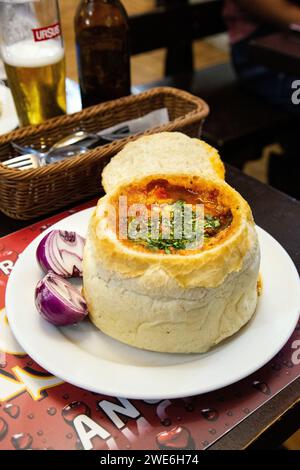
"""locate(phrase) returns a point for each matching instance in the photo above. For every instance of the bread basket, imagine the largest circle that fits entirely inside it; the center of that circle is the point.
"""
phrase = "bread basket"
(28, 194)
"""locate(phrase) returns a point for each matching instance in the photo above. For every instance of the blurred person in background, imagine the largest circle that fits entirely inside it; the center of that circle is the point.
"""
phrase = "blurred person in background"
(248, 20)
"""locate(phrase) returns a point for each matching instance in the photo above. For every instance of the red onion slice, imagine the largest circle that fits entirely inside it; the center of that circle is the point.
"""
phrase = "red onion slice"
(61, 252)
(59, 302)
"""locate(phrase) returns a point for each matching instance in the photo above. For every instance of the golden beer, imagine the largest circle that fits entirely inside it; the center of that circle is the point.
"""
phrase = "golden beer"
(36, 76)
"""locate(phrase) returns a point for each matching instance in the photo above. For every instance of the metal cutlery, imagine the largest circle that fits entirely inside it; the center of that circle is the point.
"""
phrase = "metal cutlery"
(65, 148)
(36, 160)
(68, 141)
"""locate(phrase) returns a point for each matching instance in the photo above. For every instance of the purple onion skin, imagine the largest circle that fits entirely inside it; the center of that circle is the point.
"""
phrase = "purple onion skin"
(44, 263)
(40, 255)
(54, 309)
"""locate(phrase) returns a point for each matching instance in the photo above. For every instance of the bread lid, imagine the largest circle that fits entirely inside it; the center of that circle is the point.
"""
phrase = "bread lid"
(167, 153)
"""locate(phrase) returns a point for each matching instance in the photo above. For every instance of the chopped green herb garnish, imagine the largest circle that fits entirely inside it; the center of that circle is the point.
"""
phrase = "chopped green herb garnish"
(170, 244)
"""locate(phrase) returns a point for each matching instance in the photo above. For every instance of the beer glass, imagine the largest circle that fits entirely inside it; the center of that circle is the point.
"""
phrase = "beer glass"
(32, 50)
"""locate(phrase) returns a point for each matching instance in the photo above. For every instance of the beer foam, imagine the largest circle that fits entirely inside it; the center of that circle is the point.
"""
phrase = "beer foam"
(32, 54)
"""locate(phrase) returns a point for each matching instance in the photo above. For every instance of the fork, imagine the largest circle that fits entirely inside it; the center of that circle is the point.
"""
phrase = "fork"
(36, 160)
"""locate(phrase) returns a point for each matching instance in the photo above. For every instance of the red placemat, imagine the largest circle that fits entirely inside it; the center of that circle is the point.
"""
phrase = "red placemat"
(37, 410)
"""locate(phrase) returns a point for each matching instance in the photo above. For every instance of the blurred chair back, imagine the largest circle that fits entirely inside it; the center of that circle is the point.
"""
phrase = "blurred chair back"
(175, 24)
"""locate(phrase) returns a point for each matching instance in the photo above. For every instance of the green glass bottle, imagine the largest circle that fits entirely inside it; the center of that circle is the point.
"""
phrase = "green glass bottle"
(103, 58)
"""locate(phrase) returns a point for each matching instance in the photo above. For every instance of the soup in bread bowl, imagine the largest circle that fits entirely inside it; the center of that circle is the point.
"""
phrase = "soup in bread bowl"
(176, 294)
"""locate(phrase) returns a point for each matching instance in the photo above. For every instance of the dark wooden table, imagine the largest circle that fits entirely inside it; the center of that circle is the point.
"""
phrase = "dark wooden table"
(278, 51)
(280, 216)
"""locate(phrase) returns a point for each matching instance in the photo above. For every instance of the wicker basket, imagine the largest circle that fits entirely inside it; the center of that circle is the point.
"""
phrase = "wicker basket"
(31, 193)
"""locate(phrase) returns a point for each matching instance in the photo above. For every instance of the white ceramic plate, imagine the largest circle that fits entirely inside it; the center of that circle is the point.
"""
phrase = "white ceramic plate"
(9, 119)
(85, 357)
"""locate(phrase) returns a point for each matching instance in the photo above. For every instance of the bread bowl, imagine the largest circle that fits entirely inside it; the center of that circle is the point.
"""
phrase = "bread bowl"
(180, 300)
